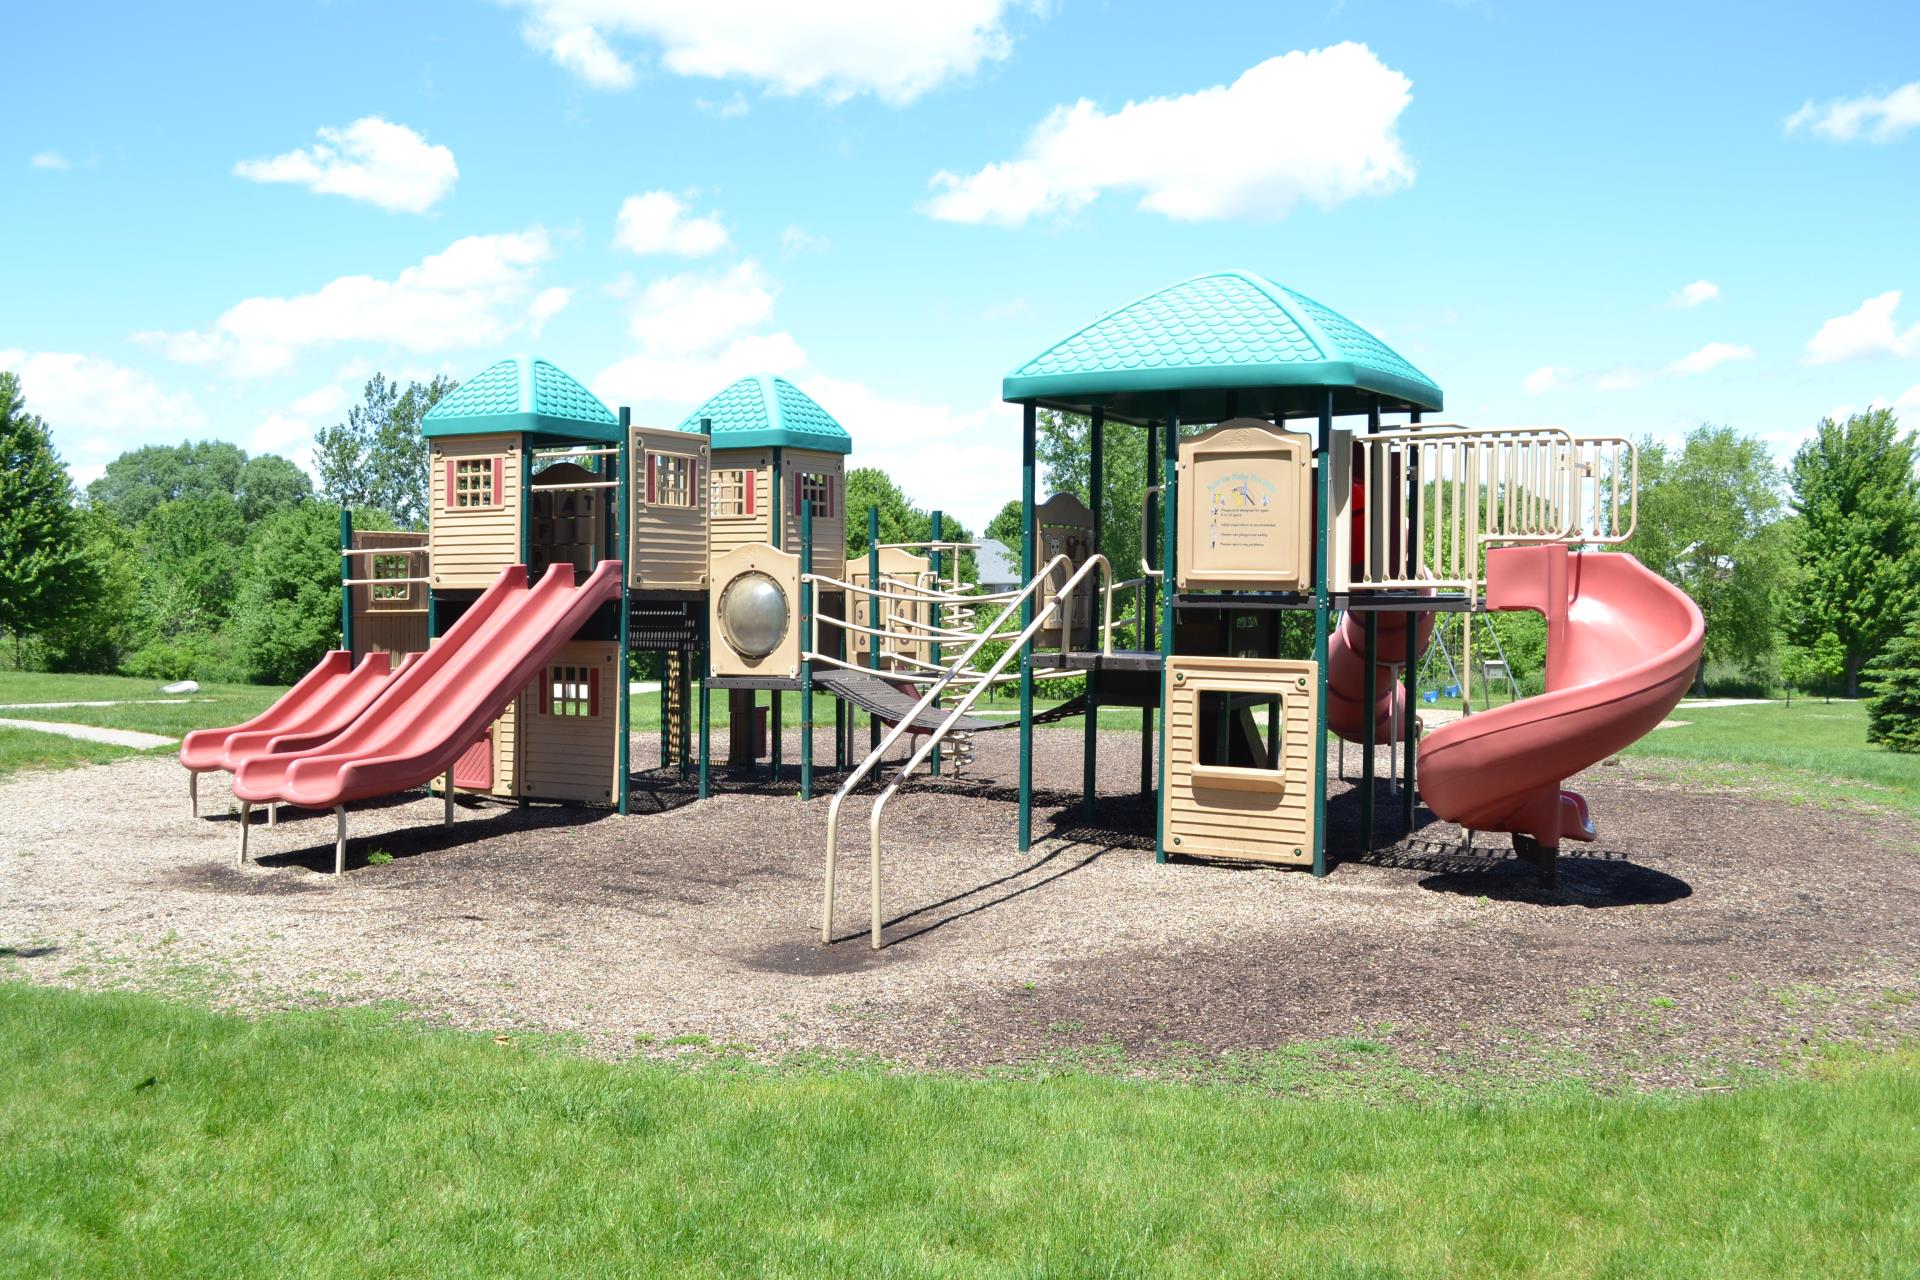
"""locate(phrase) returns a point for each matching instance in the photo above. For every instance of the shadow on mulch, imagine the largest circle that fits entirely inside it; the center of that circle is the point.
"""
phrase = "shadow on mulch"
(405, 842)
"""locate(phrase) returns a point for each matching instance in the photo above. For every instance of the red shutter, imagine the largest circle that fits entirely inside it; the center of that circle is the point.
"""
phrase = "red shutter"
(593, 691)
(499, 482)
(752, 480)
(546, 691)
(652, 484)
(453, 499)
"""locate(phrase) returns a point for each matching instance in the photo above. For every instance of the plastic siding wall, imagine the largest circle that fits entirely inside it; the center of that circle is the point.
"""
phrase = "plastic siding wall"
(471, 545)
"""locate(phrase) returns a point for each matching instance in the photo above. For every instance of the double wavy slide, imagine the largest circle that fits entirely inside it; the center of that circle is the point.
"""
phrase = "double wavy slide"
(426, 712)
(1622, 646)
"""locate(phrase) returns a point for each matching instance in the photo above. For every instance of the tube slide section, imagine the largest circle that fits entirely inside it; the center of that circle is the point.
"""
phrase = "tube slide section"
(1347, 673)
(1622, 646)
(435, 709)
(325, 701)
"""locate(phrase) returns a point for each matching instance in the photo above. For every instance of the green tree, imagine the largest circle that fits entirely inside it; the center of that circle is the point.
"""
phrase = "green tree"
(192, 551)
(142, 479)
(900, 520)
(288, 610)
(1858, 499)
(46, 578)
(269, 484)
(1710, 523)
(377, 458)
(1005, 527)
(1820, 665)
(1893, 714)
(1065, 450)
(100, 637)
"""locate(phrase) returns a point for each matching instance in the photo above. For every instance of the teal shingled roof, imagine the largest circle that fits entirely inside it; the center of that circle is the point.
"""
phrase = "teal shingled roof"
(523, 394)
(763, 410)
(1228, 343)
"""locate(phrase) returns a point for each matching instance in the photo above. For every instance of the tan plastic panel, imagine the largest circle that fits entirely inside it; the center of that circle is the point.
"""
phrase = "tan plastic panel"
(829, 530)
(784, 569)
(471, 545)
(897, 566)
(1212, 811)
(729, 532)
(1063, 525)
(1246, 513)
(572, 757)
(668, 550)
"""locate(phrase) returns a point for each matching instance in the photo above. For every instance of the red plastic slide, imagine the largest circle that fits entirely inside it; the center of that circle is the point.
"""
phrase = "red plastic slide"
(1622, 645)
(1347, 673)
(436, 707)
(326, 700)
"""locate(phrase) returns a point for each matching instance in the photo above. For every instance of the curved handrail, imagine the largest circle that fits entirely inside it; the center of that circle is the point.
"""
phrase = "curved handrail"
(1060, 597)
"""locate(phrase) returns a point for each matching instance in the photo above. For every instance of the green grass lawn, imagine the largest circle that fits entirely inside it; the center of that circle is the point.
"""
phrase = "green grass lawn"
(145, 1138)
(1809, 751)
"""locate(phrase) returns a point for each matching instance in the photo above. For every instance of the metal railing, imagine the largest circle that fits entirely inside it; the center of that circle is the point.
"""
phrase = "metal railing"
(905, 723)
(1437, 497)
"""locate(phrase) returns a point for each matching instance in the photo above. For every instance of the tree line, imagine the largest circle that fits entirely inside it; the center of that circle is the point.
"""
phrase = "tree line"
(196, 559)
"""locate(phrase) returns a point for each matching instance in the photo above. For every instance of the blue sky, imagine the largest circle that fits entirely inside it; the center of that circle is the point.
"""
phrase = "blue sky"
(219, 219)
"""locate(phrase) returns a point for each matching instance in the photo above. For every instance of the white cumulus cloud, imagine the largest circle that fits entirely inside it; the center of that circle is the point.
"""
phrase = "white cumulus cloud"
(1710, 356)
(371, 159)
(964, 461)
(697, 312)
(50, 160)
(684, 380)
(1546, 378)
(660, 222)
(475, 293)
(1868, 331)
(73, 391)
(1694, 294)
(1320, 126)
(836, 48)
(1874, 117)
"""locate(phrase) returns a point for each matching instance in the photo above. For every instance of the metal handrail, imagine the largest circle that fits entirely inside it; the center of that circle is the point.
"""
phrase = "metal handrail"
(904, 724)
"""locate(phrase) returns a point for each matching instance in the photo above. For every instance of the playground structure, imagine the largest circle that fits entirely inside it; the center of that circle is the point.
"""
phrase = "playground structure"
(489, 655)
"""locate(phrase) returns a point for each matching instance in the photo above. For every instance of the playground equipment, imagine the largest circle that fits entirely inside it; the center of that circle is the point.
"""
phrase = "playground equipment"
(562, 538)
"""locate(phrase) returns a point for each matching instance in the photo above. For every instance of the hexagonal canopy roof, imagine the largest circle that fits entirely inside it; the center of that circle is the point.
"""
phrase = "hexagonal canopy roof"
(1223, 344)
(765, 410)
(521, 393)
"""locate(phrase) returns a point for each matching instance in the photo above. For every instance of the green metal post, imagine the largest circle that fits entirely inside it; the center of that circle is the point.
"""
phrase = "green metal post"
(1169, 507)
(934, 615)
(873, 612)
(775, 702)
(806, 665)
(1090, 737)
(706, 721)
(622, 535)
(1149, 602)
(346, 571)
(1368, 693)
(1028, 567)
(526, 500)
(1322, 538)
(1409, 797)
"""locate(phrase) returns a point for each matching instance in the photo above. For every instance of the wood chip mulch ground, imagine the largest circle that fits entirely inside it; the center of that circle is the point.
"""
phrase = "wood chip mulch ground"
(1710, 932)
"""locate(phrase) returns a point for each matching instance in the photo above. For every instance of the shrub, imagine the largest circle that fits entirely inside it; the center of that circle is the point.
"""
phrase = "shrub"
(1893, 713)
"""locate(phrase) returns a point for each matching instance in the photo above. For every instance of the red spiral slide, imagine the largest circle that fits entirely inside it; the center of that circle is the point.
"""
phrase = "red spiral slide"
(1622, 645)
(436, 706)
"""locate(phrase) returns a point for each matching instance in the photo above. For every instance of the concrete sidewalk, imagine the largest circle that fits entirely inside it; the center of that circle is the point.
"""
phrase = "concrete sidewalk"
(93, 733)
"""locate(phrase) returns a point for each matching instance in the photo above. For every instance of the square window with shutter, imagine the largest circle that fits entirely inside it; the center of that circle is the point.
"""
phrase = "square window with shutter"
(669, 480)
(816, 490)
(569, 690)
(731, 492)
(475, 482)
